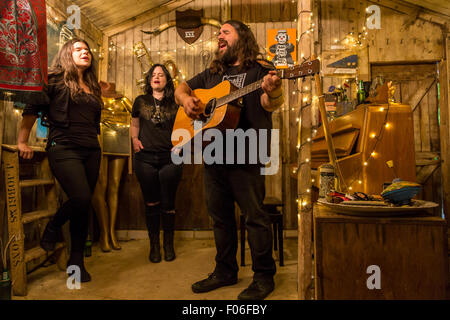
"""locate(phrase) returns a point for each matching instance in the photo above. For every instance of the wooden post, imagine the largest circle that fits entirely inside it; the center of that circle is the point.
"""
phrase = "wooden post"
(444, 73)
(303, 162)
(15, 226)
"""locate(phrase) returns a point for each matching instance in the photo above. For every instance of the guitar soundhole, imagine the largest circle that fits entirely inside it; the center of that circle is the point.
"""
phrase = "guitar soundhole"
(209, 110)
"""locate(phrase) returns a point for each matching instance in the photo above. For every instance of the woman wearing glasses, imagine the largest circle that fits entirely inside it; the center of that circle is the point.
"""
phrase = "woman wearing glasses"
(153, 116)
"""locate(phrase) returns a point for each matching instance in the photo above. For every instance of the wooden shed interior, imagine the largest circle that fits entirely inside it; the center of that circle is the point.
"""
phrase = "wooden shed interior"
(403, 42)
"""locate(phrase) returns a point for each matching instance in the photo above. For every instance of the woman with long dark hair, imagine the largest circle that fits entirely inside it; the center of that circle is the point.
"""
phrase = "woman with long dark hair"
(152, 121)
(73, 117)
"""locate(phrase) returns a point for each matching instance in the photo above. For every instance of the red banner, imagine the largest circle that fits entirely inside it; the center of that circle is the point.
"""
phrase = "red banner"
(23, 45)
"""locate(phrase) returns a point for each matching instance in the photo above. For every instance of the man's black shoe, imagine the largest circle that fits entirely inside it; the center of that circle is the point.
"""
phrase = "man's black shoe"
(213, 281)
(257, 290)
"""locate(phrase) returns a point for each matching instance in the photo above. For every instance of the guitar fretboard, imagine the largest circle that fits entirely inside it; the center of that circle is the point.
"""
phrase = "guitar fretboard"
(239, 93)
(306, 69)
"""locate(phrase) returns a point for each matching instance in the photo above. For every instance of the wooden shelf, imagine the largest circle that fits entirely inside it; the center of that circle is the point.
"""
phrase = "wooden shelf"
(36, 215)
(38, 252)
(11, 147)
(36, 182)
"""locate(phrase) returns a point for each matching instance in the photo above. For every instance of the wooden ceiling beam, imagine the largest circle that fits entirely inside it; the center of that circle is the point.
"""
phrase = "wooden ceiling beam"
(413, 10)
(150, 14)
(439, 6)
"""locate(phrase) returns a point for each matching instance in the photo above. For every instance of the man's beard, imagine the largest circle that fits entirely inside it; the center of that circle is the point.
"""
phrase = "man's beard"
(229, 57)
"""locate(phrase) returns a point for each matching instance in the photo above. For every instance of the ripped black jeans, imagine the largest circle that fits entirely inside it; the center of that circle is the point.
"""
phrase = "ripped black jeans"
(158, 178)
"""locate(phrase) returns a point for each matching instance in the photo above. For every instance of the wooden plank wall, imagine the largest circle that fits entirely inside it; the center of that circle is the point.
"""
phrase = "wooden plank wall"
(124, 70)
(88, 31)
(401, 37)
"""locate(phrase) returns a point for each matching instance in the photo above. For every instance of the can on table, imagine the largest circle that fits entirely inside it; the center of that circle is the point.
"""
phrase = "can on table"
(327, 179)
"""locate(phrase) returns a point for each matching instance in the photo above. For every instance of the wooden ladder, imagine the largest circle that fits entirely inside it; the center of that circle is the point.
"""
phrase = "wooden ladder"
(47, 206)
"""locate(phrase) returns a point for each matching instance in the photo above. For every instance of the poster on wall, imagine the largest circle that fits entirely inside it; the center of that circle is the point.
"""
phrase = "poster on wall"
(282, 47)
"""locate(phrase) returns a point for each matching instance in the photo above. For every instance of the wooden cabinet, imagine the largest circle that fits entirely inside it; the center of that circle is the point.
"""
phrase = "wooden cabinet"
(410, 252)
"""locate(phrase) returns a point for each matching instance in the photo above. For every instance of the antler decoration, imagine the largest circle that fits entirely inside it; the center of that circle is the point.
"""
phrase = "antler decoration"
(161, 28)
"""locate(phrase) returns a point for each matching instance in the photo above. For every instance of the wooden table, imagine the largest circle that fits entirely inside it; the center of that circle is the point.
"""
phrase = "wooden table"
(401, 257)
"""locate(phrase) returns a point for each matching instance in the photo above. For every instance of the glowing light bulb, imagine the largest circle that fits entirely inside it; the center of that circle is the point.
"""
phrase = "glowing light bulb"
(360, 182)
(373, 135)
(387, 125)
(373, 154)
(365, 163)
(381, 109)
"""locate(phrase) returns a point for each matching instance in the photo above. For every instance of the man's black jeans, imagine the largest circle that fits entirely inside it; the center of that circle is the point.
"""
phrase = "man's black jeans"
(76, 168)
(244, 184)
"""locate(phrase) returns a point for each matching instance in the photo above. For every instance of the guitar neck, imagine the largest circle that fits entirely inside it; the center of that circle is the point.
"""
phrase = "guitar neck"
(308, 68)
(239, 93)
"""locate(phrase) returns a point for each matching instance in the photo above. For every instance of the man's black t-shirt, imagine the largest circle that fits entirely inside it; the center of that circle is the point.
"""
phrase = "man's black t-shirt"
(155, 126)
(252, 116)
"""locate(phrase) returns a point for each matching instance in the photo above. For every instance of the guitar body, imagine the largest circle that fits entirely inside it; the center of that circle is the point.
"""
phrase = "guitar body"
(218, 113)
(221, 118)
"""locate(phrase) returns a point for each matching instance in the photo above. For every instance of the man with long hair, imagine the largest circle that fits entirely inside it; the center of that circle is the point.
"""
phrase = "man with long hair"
(73, 116)
(236, 60)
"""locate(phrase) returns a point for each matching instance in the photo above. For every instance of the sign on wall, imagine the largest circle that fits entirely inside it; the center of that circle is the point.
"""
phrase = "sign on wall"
(282, 47)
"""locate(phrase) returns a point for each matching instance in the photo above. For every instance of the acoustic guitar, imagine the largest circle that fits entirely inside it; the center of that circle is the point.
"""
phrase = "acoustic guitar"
(220, 105)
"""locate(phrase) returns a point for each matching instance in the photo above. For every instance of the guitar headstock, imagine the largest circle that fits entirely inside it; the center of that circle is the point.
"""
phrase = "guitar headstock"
(308, 68)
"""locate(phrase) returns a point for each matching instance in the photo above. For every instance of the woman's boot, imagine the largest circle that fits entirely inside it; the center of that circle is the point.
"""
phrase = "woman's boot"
(153, 217)
(168, 223)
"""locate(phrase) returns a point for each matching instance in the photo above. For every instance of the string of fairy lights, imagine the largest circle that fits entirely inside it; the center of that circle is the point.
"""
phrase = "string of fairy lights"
(373, 153)
(350, 41)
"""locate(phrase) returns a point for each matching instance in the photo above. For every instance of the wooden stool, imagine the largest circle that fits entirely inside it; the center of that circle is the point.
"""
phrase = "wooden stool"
(271, 206)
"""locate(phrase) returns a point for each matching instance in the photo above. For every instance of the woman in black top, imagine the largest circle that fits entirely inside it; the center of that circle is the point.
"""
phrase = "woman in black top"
(152, 121)
(73, 116)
